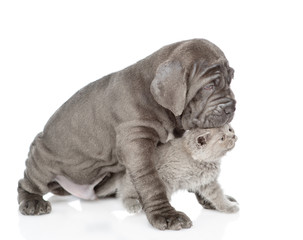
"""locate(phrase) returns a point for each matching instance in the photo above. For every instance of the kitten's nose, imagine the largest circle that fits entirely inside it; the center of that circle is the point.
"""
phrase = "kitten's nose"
(234, 137)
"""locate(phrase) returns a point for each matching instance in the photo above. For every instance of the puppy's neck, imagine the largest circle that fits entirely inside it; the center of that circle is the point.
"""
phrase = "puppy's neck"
(179, 123)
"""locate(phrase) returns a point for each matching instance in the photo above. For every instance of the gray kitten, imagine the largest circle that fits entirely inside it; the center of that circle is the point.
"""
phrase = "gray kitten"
(192, 163)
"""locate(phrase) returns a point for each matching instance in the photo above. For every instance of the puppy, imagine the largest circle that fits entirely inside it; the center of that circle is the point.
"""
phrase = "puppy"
(116, 122)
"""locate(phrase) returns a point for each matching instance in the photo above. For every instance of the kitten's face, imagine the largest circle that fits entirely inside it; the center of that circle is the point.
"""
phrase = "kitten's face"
(210, 144)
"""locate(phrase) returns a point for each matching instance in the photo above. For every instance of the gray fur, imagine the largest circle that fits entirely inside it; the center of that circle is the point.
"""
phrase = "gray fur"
(116, 122)
(192, 163)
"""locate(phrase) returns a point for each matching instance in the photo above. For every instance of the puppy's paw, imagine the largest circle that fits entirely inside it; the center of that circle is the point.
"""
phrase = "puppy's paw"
(35, 207)
(132, 205)
(172, 220)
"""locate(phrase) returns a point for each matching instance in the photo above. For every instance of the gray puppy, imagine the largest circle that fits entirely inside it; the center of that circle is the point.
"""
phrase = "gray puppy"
(115, 123)
(191, 163)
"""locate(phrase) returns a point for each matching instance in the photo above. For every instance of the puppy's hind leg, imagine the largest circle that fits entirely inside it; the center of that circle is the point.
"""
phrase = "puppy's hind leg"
(34, 184)
(31, 203)
(56, 189)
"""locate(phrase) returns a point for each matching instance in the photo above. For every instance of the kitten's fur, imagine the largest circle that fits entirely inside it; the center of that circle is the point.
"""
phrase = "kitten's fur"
(192, 163)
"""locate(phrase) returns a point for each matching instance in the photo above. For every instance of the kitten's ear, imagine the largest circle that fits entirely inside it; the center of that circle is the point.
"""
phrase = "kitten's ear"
(202, 139)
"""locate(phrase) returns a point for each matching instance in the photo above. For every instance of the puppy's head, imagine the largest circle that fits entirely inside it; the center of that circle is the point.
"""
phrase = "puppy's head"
(194, 83)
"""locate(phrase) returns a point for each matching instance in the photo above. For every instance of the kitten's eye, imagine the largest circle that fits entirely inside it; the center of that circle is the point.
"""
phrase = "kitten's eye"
(209, 87)
(223, 138)
(230, 130)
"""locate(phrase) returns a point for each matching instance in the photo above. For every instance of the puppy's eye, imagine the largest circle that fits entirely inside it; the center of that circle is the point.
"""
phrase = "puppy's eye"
(230, 130)
(217, 81)
(209, 87)
(222, 138)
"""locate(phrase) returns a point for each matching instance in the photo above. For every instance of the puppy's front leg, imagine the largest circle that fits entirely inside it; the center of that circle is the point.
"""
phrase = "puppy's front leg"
(134, 149)
(213, 194)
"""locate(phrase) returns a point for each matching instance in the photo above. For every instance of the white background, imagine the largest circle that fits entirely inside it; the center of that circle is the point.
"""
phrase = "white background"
(50, 49)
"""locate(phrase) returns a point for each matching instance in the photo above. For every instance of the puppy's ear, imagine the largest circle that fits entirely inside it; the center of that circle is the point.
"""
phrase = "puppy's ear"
(169, 86)
(202, 139)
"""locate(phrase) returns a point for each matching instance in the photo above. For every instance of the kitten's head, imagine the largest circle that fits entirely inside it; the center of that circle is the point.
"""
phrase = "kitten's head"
(209, 145)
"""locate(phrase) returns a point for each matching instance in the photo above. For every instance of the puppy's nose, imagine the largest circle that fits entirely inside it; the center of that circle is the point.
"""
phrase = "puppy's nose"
(230, 108)
(234, 137)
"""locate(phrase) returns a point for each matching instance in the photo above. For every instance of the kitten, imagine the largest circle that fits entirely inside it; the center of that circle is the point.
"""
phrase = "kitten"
(192, 163)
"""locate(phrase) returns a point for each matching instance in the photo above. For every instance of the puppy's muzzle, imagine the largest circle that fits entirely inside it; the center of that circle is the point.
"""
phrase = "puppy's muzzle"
(229, 107)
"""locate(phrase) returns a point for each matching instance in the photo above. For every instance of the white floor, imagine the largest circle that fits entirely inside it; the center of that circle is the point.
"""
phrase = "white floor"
(72, 218)
(108, 220)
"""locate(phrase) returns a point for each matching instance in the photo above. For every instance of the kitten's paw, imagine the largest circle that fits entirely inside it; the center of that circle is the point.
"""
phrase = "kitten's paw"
(171, 220)
(230, 208)
(204, 202)
(233, 209)
(231, 198)
(35, 207)
(132, 205)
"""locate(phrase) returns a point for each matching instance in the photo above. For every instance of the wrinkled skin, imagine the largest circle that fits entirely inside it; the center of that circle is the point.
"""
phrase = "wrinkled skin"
(213, 104)
(116, 122)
